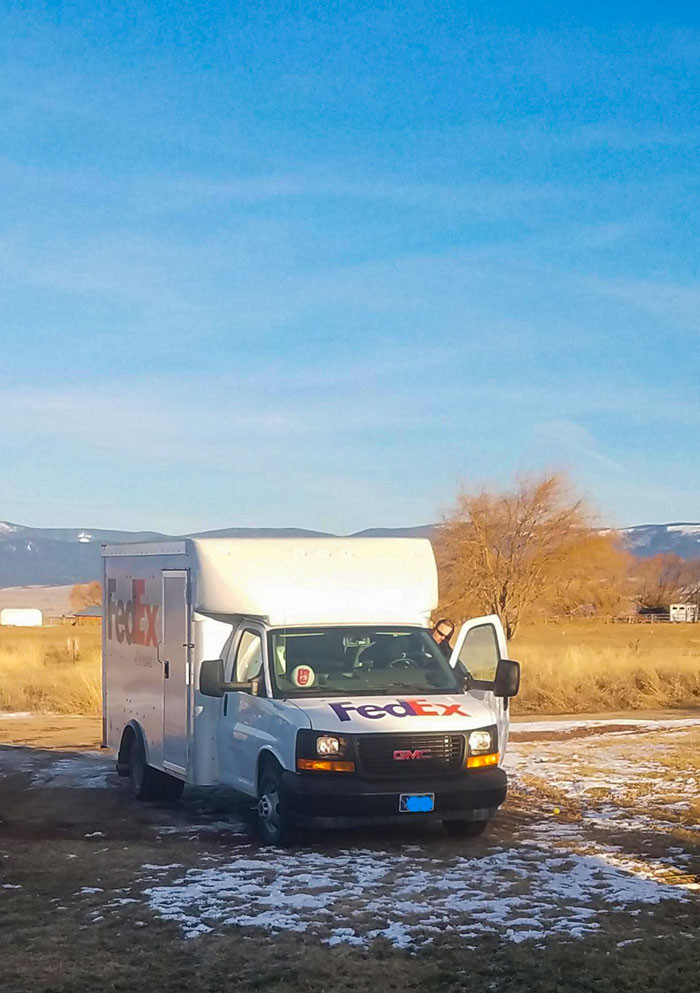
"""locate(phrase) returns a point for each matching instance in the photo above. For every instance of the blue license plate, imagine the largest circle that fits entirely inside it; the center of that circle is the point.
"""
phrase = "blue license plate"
(416, 803)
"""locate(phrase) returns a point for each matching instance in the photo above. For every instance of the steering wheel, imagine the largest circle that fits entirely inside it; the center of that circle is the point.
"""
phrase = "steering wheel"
(405, 662)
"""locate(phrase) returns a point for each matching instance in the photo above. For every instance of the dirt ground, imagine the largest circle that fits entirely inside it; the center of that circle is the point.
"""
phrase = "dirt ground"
(589, 879)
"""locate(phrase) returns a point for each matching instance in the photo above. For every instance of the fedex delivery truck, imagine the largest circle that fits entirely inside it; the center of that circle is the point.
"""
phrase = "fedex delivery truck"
(303, 674)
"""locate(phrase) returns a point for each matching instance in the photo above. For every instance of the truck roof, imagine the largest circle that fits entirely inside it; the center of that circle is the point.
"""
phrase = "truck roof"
(292, 581)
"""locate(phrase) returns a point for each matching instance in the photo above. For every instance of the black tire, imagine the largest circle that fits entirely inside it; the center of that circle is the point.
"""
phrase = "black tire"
(142, 777)
(168, 787)
(271, 815)
(465, 829)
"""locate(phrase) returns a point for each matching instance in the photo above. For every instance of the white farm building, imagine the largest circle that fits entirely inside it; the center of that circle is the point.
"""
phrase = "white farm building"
(21, 617)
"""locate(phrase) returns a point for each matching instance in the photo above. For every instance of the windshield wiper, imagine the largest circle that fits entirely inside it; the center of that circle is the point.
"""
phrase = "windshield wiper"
(412, 686)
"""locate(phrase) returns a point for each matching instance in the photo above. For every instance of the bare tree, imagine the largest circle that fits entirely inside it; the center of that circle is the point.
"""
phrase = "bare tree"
(595, 579)
(510, 553)
(692, 589)
(85, 595)
(665, 579)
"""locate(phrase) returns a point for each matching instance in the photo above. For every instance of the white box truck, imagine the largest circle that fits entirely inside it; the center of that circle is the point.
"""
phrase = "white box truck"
(302, 673)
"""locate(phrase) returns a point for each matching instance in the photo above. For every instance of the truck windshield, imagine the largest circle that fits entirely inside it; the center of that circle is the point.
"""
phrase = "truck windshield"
(339, 661)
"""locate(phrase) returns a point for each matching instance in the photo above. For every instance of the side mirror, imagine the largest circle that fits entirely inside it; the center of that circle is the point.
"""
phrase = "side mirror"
(212, 683)
(507, 681)
(211, 677)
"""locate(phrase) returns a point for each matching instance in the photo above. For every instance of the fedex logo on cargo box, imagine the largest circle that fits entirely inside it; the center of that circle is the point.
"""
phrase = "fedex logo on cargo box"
(133, 621)
(398, 708)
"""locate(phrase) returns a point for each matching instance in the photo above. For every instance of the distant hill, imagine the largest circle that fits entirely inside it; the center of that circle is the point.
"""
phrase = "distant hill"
(52, 601)
(645, 540)
(421, 531)
(258, 533)
(63, 556)
(58, 556)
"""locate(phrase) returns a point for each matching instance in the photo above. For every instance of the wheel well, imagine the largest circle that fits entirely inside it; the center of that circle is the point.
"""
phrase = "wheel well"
(129, 735)
(266, 760)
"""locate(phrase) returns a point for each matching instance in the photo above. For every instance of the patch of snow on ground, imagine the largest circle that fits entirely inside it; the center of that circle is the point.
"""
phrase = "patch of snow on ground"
(14, 761)
(613, 782)
(558, 879)
(635, 724)
(239, 827)
(525, 892)
(88, 770)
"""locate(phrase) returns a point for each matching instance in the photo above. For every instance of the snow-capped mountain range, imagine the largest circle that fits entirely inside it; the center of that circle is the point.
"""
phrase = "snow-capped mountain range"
(681, 539)
(59, 556)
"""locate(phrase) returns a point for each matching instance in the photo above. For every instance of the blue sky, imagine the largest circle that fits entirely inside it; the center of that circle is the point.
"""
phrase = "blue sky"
(321, 264)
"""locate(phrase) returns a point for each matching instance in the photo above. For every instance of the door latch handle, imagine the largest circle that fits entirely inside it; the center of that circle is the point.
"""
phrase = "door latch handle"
(166, 669)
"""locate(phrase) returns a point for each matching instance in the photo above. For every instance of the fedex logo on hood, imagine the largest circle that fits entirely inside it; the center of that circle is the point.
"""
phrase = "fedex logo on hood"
(398, 708)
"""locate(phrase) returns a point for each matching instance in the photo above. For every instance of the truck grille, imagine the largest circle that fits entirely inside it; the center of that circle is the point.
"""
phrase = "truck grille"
(409, 756)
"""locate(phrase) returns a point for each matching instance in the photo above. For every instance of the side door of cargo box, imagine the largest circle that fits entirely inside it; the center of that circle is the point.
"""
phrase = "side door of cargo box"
(174, 657)
(480, 644)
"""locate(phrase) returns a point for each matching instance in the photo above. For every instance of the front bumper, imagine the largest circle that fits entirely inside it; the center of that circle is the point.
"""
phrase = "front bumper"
(344, 800)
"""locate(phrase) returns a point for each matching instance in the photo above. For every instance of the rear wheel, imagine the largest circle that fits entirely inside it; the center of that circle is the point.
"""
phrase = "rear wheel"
(148, 783)
(169, 788)
(141, 775)
(272, 815)
(465, 829)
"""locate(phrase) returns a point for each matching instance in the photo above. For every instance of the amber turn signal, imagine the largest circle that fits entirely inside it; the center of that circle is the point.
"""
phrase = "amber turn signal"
(324, 765)
(479, 761)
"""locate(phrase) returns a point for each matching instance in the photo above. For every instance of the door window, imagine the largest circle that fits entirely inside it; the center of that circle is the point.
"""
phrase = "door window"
(249, 658)
(479, 654)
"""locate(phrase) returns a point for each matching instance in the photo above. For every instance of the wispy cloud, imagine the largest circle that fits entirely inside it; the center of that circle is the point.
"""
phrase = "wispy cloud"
(325, 452)
(611, 133)
(576, 444)
(151, 194)
(670, 302)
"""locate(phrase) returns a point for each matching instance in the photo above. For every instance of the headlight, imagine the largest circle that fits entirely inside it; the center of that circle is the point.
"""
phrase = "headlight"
(320, 752)
(482, 742)
(328, 745)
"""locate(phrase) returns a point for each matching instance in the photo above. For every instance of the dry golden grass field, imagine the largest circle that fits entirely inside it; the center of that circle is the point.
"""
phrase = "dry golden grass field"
(587, 666)
(568, 667)
(53, 669)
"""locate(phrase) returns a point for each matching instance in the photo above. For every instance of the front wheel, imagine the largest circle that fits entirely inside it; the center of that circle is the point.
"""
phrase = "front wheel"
(465, 829)
(272, 815)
